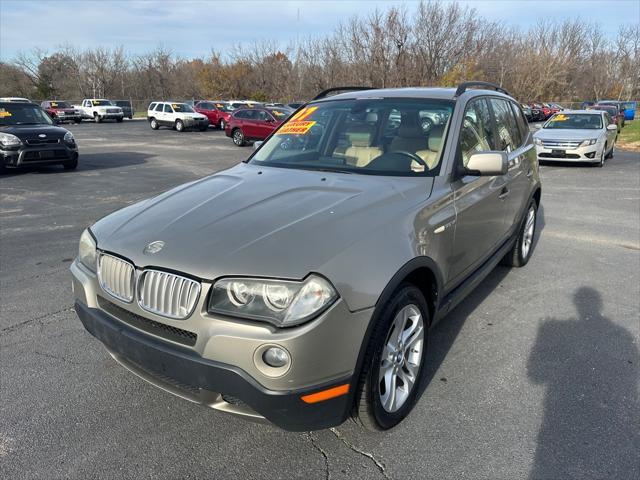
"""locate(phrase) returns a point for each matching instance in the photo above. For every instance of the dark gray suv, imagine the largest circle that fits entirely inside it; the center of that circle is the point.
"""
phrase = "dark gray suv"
(300, 285)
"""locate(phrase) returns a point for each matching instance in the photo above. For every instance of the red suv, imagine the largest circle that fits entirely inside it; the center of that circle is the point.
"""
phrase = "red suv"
(248, 124)
(218, 113)
(61, 111)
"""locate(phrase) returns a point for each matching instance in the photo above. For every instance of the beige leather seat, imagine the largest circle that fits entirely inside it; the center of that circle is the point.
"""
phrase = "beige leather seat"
(432, 154)
(360, 153)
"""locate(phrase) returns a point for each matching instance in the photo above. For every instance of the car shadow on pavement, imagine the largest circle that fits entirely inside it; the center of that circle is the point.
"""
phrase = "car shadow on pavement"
(87, 162)
(589, 366)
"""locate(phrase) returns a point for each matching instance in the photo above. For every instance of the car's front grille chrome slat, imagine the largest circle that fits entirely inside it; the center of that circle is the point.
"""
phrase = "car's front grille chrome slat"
(116, 277)
(167, 294)
(571, 144)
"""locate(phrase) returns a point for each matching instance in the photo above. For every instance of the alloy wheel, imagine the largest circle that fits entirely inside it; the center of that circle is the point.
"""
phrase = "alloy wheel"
(401, 358)
(529, 229)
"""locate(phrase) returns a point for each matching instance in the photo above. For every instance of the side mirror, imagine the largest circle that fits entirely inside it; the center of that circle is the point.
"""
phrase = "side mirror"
(257, 144)
(537, 126)
(488, 164)
(612, 126)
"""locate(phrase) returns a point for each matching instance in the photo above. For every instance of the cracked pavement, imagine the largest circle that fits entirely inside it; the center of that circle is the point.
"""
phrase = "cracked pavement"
(514, 375)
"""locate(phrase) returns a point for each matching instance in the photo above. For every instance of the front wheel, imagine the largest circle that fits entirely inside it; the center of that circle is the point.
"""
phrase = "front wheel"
(222, 125)
(179, 126)
(521, 251)
(611, 152)
(603, 157)
(96, 118)
(393, 370)
(120, 119)
(154, 124)
(71, 165)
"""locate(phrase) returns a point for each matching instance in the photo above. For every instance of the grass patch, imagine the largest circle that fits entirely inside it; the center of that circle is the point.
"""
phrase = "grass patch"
(142, 114)
(629, 138)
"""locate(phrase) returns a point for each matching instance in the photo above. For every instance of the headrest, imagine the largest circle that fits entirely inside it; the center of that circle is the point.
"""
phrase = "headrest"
(359, 139)
(372, 117)
(435, 137)
(409, 126)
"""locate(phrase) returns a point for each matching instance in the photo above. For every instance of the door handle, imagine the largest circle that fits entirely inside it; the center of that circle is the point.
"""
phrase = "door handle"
(504, 193)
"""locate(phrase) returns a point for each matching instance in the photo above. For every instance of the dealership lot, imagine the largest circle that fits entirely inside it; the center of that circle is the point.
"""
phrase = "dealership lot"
(531, 375)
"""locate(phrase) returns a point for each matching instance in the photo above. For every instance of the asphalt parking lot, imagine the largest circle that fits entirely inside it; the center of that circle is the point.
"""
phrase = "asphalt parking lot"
(535, 375)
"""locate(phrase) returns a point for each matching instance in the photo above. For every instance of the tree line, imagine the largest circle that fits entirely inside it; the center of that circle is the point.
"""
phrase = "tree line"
(435, 44)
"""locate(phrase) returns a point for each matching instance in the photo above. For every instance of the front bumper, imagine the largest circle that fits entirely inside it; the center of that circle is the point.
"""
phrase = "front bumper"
(196, 123)
(218, 368)
(45, 154)
(111, 116)
(589, 153)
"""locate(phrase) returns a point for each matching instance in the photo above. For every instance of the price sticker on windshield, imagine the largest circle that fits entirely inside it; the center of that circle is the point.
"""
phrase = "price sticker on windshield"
(560, 118)
(54, 104)
(4, 113)
(298, 125)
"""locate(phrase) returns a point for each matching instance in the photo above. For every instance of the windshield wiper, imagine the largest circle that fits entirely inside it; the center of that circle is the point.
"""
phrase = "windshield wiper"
(333, 170)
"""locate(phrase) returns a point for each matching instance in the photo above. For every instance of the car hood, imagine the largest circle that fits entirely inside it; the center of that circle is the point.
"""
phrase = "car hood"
(258, 221)
(32, 131)
(561, 134)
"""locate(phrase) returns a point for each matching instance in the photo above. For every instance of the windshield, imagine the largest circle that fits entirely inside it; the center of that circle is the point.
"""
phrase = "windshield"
(122, 103)
(582, 121)
(613, 111)
(280, 114)
(60, 105)
(393, 136)
(224, 107)
(23, 114)
(101, 103)
(182, 107)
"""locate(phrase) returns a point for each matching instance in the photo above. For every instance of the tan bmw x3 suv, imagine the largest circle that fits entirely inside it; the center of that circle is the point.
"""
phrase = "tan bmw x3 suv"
(299, 286)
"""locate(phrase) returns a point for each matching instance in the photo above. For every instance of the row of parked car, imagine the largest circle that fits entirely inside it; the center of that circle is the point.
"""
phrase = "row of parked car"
(96, 109)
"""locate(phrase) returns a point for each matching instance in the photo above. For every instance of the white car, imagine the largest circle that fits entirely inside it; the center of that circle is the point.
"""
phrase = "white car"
(180, 116)
(99, 109)
(577, 136)
(15, 100)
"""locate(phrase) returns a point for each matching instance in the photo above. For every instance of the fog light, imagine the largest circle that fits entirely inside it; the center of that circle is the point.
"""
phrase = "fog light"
(275, 357)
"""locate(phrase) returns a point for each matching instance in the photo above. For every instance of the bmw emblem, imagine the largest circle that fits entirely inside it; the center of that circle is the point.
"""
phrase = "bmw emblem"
(153, 247)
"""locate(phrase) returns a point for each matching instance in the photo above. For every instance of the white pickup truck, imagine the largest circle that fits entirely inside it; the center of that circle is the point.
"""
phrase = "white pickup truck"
(99, 109)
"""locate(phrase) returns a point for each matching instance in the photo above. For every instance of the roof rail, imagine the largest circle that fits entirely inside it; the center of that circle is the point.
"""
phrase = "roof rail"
(464, 86)
(326, 92)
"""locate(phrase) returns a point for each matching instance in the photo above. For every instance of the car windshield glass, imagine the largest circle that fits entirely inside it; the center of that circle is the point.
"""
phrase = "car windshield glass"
(101, 103)
(224, 107)
(60, 105)
(181, 107)
(280, 114)
(613, 111)
(393, 136)
(123, 103)
(23, 114)
(574, 121)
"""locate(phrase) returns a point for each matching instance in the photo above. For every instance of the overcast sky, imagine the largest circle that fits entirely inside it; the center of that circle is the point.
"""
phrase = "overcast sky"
(192, 28)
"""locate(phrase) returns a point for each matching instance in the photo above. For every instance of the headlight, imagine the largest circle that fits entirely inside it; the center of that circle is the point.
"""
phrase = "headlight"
(68, 138)
(280, 302)
(8, 140)
(537, 141)
(591, 141)
(87, 251)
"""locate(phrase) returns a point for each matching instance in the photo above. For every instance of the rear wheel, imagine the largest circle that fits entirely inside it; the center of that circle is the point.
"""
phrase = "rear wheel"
(521, 251)
(179, 126)
(238, 137)
(392, 373)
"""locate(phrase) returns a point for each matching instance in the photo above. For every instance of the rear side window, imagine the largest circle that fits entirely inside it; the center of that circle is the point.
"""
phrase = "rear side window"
(523, 125)
(476, 134)
(509, 137)
(159, 107)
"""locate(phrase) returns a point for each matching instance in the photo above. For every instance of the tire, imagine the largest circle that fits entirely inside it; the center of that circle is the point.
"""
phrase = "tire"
(203, 129)
(153, 123)
(521, 251)
(391, 362)
(120, 120)
(611, 152)
(96, 118)
(179, 126)
(238, 137)
(71, 165)
(603, 156)
(78, 120)
(222, 124)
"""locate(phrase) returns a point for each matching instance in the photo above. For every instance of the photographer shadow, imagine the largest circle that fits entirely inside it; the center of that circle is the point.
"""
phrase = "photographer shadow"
(589, 365)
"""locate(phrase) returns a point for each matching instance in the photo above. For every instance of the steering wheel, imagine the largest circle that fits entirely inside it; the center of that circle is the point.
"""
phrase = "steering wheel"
(413, 156)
